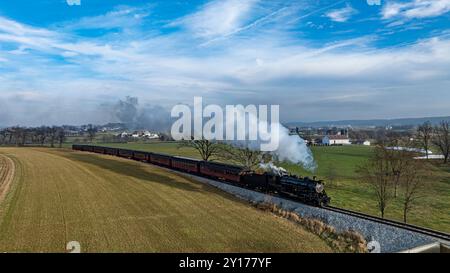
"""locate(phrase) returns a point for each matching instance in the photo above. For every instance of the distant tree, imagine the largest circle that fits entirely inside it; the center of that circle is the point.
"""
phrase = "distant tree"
(61, 136)
(424, 134)
(17, 135)
(3, 136)
(53, 133)
(207, 149)
(91, 131)
(13, 135)
(165, 137)
(243, 156)
(10, 135)
(442, 139)
(377, 174)
(380, 136)
(393, 138)
(42, 134)
(32, 133)
(23, 132)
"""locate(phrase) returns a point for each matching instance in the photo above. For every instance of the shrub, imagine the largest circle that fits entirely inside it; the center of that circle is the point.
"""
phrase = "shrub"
(346, 241)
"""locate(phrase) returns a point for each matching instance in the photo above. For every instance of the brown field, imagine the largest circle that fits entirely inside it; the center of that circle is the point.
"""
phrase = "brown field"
(110, 204)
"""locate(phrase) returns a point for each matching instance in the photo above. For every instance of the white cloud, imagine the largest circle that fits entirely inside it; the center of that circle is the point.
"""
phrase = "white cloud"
(12, 27)
(121, 17)
(341, 15)
(217, 18)
(416, 9)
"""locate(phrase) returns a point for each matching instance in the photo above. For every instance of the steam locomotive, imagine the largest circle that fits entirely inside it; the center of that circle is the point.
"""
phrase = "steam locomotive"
(303, 189)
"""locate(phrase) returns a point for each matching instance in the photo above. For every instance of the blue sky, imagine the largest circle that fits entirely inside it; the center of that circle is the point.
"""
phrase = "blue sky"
(318, 59)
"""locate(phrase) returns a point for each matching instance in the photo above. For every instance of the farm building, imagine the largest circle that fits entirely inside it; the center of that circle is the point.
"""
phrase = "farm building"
(336, 140)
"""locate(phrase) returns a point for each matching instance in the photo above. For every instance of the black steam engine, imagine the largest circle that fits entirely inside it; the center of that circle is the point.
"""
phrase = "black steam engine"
(303, 189)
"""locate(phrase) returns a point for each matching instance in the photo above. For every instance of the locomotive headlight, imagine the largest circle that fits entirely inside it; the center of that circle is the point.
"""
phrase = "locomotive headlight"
(319, 188)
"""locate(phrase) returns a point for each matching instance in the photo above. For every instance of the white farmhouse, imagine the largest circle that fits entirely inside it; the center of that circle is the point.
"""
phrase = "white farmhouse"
(150, 135)
(124, 134)
(336, 140)
(366, 143)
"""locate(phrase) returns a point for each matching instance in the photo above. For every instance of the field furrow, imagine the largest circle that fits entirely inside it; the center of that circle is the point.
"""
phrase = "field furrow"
(6, 175)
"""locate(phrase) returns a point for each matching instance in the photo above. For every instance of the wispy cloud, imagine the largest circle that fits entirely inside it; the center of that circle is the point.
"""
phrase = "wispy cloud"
(416, 9)
(341, 15)
(15, 28)
(217, 18)
(121, 17)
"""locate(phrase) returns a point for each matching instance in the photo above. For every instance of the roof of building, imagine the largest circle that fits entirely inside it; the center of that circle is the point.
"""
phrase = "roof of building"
(334, 137)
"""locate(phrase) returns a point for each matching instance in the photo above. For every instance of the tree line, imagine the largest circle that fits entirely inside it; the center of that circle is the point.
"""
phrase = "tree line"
(43, 135)
(437, 136)
(20, 136)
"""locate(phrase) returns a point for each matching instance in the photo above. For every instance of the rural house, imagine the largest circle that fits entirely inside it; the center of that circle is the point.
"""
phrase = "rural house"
(336, 140)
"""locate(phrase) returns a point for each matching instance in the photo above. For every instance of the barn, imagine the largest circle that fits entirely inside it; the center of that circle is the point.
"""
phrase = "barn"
(336, 140)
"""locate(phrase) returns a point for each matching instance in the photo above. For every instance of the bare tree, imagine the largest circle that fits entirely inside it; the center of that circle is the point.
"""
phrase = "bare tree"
(91, 131)
(18, 134)
(206, 148)
(412, 181)
(424, 133)
(377, 173)
(53, 133)
(33, 135)
(442, 139)
(61, 136)
(398, 165)
(245, 157)
(42, 133)
(3, 136)
(23, 132)
(10, 135)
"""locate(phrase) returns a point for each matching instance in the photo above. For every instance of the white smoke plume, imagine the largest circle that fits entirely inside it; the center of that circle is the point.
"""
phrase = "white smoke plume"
(243, 127)
(271, 168)
(291, 148)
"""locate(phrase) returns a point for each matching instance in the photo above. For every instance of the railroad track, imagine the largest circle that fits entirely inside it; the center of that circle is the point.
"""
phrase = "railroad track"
(421, 230)
(424, 231)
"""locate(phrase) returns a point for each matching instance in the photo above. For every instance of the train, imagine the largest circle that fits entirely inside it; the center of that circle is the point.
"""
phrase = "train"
(302, 189)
